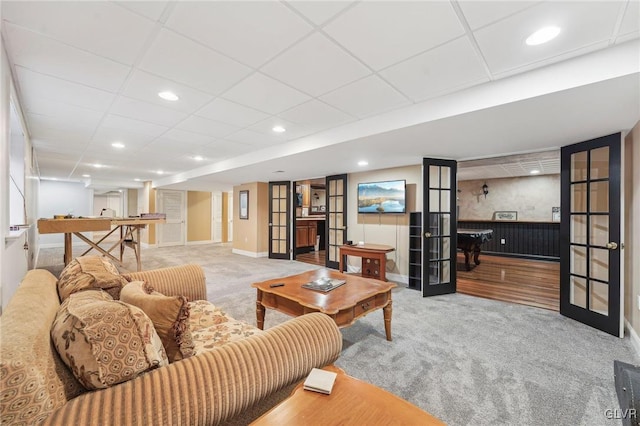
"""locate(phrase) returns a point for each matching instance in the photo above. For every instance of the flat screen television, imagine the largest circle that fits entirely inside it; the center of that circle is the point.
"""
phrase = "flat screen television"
(382, 197)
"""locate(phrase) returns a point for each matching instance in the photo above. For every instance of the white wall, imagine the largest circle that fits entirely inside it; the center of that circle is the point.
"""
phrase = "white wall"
(389, 229)
(63, 198)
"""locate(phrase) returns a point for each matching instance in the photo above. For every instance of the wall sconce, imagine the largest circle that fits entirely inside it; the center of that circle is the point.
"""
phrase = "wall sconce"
(485, 189)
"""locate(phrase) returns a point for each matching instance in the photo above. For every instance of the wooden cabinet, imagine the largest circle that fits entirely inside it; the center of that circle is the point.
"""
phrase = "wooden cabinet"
(306, 233)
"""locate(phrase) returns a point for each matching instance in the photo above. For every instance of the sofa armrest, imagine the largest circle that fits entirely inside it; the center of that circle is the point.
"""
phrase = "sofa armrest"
(184, 280)
(214, 386)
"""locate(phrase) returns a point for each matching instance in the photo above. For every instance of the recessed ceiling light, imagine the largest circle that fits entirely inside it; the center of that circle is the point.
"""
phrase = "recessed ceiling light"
(160, 172)
(198, 157)
(118, 145)
(534, 172)
(279, 129)
(363, 163)
(168, 96)
(98, 166)
(543, 35)
(137, 180)
(86, 175)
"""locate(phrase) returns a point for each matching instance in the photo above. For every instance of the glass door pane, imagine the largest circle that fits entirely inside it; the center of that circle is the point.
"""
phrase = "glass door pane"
(279, 220)
(336, 228)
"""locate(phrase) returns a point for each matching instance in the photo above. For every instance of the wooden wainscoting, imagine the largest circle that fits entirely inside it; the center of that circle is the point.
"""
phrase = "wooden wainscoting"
(524, 281)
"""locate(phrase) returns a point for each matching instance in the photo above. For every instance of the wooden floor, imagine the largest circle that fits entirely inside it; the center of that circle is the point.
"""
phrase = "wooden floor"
(523, 281)
(314, 257)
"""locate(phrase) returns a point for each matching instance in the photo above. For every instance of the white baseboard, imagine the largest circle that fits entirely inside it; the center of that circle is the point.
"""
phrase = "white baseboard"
(635, 340)
(196, 243)
(250, 253)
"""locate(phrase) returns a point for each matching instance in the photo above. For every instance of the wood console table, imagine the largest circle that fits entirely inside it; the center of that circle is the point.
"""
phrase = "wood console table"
(129, 234)
(352, 401)
(374, 259)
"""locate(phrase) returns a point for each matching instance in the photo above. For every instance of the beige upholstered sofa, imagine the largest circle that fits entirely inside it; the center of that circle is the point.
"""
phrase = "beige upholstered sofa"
(233, 383)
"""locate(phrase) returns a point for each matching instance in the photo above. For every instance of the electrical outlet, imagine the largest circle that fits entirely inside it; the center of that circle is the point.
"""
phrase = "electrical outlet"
(503, 241)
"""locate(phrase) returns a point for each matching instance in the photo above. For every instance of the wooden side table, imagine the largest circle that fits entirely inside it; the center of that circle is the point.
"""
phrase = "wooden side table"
(352, 401)
(374, 259)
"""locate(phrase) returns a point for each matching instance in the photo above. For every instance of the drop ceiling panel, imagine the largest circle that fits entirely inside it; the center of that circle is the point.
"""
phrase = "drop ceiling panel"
(250, 137)
(145, 111)
(383, 33)
(214, 129)
(65, 113)
(293, 131)
(86, 25)
(584, 25)
(315, 114)
(631, 20)
(180, 59)
(454, 65)
(145, 87)
(150, 9)
(250, 32)
(34, 86)
(144, 128)
(44, 55)
(481, 13)
(131, 140)
(316, 66)
(231, 113)
(181, 136)
(167, 148)
(368, 96)
(42, 127)
(319, 12)
(265, 94)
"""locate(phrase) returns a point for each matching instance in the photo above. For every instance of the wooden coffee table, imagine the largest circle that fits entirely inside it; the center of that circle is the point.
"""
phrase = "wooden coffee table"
(352, 401)
(345, 304)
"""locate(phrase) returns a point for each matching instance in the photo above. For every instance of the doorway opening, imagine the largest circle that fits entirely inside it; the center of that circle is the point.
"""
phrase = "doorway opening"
(309, 221)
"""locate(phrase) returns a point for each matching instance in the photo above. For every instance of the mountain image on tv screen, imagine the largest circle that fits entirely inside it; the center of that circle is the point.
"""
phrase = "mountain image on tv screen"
(381, 197)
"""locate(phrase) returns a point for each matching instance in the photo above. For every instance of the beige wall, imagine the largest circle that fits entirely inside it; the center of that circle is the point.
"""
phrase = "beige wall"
(631, 240)
(391, 229)
(251, 236)
(198, 216)
(132, 202)
(531, 196)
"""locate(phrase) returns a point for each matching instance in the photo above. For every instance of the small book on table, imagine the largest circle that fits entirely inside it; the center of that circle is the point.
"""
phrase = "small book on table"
(320, 381)
(323, 284)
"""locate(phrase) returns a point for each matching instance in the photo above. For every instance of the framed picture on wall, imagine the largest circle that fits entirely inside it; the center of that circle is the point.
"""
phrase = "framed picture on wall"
(506, 216)
(244, 205)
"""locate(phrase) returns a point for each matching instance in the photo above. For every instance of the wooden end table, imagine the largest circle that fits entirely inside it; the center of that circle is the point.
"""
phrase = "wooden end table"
(345, 304)
(352, 401)
(374, 259)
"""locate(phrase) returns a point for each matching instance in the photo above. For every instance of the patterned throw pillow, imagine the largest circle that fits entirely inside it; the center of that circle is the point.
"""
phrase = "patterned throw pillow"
(87, 272)
(170, 316)
(104, 341)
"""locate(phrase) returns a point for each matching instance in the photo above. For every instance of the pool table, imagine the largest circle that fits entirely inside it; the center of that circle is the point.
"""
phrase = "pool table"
(470, 240)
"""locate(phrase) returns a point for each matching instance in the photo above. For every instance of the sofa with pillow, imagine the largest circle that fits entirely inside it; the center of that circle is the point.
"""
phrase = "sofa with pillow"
(145, 348)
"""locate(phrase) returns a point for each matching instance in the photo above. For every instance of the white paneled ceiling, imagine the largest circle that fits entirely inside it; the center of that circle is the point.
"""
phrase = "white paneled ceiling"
(384, 81)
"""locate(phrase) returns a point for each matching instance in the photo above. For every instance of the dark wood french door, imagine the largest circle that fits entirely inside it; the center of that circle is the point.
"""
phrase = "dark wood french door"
(439, 226)
(590, 288)
(336, 220)
(279, 220)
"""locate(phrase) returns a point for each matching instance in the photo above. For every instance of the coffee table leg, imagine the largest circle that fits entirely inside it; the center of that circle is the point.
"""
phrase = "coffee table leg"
(387, 320)
(260, 315)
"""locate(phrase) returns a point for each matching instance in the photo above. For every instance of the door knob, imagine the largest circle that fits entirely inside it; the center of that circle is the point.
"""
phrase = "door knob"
(612, 246)
(427, 234)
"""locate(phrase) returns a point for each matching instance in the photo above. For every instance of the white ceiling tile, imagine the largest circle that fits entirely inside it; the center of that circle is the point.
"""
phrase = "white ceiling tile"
(383, 33)
(135, 126)
(65, 113)
(293, 131)
(319, 11)
(151, 9)
(145, 111)
(207, 127)
(265, 94)
(44, 55)
(316, 114)
(481, 13)
(45, 127)
(631, 19)
(316, 66)
(105, 136)
(251, 32)
(188, 137)
(230, 112)
(583, 24)
(251, 137)
(185, 61)
(100, 27)
(165, 147)
(365, 97)
(145, 87)
(225, 149)
(438, 71)
(35, 86)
